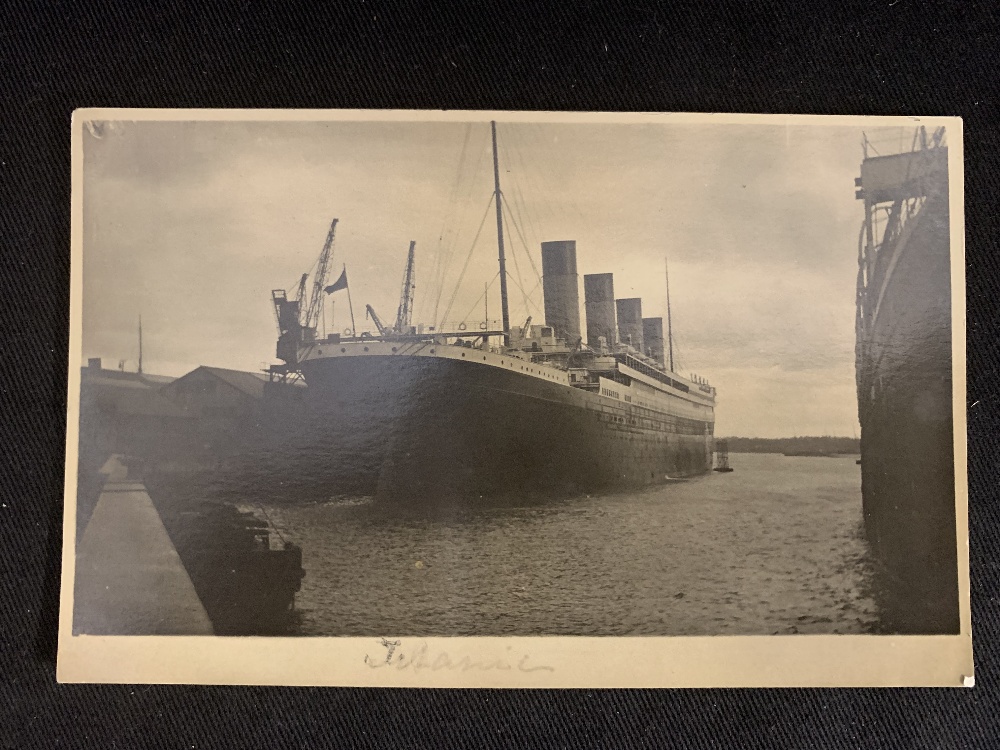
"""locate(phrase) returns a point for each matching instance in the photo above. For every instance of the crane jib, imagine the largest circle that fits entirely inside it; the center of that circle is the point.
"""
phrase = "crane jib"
(311, 318)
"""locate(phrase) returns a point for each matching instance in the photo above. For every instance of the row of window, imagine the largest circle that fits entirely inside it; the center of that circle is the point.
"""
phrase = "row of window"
(647, 405)
(532, 370)
(630, 361)
(650, 410)
(512, 365)
(673, 425)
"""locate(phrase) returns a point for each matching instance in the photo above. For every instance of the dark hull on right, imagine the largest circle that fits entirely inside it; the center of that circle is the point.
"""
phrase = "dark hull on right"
(904, 372)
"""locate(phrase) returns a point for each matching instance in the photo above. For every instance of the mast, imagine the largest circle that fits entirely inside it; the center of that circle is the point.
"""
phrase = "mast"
(670, 327)
(503, 260)
(350, 304)
(140, 345)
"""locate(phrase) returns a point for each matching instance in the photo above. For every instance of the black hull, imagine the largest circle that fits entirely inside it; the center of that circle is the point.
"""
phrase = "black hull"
(907, 439)
(426, 428)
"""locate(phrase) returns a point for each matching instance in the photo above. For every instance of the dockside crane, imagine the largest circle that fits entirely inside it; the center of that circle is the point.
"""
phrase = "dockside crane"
(300, 295)
(404, 315)
(296, 323)
(382, 328)
(311, 319)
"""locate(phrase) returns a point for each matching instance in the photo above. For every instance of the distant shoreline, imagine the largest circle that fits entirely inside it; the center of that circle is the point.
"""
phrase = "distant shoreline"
(796, 446)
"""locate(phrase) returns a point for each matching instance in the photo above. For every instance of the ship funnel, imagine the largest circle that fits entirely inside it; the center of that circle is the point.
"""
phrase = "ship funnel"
(560, 287)
(652, 337)
(630, 322)
(599, 305)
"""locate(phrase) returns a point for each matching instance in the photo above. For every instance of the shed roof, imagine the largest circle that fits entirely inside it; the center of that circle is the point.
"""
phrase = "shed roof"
(249, 383)
(126, 397)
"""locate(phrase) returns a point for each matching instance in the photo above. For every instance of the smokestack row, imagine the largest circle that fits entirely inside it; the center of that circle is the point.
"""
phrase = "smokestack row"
(607, 318)
(599, 303)
(630, 322)
(560, 288)
(652, 337)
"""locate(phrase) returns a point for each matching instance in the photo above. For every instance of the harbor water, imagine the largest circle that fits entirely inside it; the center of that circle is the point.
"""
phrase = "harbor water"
(776, 547)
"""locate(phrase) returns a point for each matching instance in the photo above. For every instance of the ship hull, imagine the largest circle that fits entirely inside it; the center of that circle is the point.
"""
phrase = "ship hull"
(907, 440)
(426, 428)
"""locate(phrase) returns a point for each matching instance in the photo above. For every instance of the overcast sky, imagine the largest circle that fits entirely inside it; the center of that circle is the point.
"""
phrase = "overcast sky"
(192, 224)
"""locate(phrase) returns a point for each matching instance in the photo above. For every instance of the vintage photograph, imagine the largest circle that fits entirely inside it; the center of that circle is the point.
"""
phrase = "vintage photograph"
(398, 379)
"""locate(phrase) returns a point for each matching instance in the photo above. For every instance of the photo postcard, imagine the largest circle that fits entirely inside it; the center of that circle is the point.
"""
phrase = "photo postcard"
(500, 399)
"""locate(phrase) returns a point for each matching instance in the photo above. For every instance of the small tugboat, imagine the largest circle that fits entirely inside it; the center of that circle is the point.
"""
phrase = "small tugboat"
(247, 580)
(722, 457)
(244, 571)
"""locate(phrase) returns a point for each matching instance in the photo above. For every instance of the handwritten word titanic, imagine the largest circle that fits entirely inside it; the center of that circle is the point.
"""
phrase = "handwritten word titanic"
(422, 658)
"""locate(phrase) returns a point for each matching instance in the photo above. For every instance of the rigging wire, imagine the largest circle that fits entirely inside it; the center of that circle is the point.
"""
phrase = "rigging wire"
(517, 270)
(514, 281)
(480, 299)
(519, 216)
(533, 181)
(526, 222)
(438, 270)
(454, 234)
(531, 229)
(524, 243)
(449, 252)
(468, 258)
(529, 304)
(531, 260)
(677, 354)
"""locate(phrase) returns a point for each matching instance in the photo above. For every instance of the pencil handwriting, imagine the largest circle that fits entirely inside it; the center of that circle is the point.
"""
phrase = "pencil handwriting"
(423, 658)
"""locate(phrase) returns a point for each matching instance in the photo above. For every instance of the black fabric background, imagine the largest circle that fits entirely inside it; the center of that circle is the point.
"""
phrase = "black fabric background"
(882, 57)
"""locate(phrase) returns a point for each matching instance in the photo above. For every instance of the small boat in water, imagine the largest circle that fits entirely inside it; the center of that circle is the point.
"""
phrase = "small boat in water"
(722, 457)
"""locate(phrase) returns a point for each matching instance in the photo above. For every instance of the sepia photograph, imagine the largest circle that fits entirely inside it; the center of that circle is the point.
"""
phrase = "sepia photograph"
(516, 399)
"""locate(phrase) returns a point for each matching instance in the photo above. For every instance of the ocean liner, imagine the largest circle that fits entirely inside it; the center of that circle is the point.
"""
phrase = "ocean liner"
(475, 409)
(904, 382)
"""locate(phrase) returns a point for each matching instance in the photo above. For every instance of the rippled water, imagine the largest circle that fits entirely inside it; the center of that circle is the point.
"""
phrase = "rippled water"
(774, 547)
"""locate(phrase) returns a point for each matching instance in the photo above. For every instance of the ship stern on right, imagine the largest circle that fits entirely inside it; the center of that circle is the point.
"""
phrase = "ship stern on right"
(904, 383)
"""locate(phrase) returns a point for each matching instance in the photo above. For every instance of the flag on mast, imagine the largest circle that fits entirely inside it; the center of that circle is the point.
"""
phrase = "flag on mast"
(340, 283)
